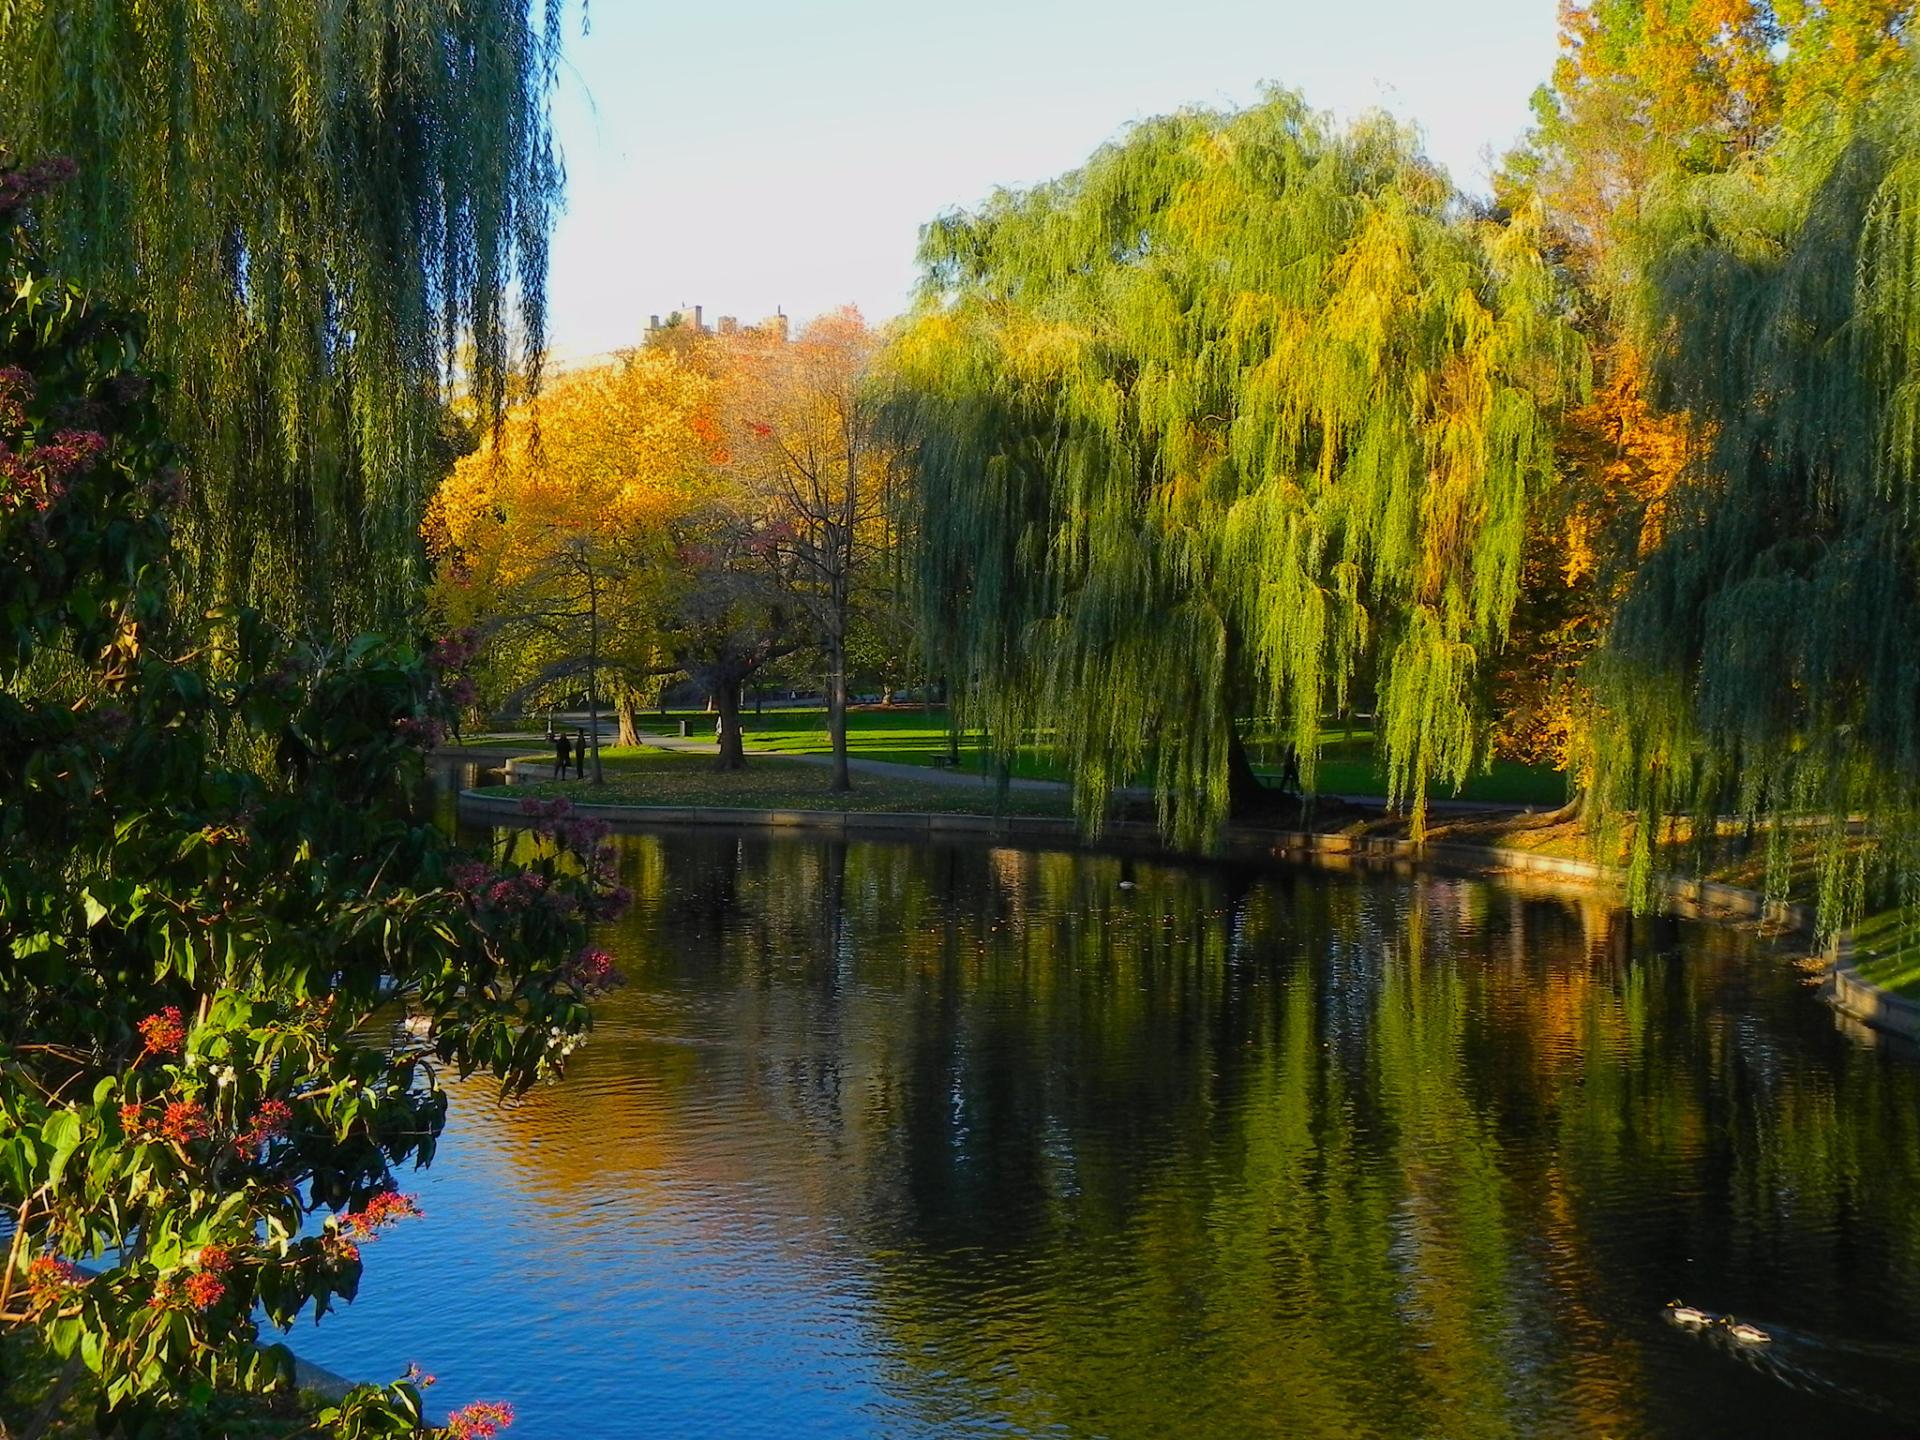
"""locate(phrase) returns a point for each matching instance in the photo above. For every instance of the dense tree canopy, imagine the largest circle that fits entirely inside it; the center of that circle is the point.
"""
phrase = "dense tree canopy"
(1245, 404)
(317, 205)
(1762, 661)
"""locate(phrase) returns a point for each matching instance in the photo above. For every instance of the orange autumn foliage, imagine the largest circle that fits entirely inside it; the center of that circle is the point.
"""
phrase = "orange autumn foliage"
(1620, 461)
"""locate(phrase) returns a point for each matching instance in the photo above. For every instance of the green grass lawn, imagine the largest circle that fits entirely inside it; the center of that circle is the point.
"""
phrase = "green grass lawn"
(919, 737)
(650, 776)
(1886, 950)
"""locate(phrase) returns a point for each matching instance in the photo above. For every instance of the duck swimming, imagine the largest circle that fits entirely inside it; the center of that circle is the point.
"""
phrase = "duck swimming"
(1687, 1315)
(1746, 1334)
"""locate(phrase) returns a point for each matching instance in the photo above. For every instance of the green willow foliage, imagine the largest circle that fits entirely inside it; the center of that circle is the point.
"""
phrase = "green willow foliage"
(313, 202)
(1764, 661)
(1241, 405)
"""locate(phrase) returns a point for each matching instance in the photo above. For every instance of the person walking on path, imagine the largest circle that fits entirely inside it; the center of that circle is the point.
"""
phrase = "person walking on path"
(560, 756)
(580, 755)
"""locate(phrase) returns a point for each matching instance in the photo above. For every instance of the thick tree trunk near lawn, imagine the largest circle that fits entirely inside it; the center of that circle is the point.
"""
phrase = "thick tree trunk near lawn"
(629, 715)
(1247, 794)
(733, 750)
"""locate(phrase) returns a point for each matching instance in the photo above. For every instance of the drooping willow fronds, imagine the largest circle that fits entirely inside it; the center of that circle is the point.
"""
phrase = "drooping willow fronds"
(315, 202)
(1766, 661)
(1244, 403)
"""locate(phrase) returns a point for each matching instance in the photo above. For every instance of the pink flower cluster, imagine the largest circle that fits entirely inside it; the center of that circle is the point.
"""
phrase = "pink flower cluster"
(480, 1420)
(587, 839)
(470, 877)
(516, 892)
(556, 820)
(378, 1213)
(592, 969)
(488, 889)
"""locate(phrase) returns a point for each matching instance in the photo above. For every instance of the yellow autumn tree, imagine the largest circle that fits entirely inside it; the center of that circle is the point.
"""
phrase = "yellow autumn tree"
(806, 434)
(555, 543)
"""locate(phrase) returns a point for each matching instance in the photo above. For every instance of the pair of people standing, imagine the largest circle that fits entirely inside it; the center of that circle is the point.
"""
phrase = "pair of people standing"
(565, 750)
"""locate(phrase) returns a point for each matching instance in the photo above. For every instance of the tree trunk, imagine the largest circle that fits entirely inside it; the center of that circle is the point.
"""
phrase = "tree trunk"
(629, 718)
(1246, 794)
(837, 712)
(733, 752)
(593, 676)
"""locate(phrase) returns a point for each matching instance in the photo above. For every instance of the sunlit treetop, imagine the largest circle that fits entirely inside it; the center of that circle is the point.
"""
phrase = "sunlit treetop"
(1244, 405)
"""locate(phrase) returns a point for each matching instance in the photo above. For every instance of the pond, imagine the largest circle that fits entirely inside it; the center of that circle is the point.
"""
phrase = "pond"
(900, 1141)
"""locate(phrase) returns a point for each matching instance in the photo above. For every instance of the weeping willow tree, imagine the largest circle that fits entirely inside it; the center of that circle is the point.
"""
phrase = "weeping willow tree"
(1764, 665)
(1246, 408)
(317, 203)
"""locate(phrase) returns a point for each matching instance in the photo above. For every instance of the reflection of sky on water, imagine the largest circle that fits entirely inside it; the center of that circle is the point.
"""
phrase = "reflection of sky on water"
(590, 1307)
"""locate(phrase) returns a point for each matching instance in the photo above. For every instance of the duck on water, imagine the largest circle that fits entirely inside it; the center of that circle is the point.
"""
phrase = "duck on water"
(1696, 1319)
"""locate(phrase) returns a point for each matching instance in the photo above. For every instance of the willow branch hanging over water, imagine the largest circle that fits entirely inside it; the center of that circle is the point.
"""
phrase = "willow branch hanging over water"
(1764, 661)
(1243, 405)
(315, 202)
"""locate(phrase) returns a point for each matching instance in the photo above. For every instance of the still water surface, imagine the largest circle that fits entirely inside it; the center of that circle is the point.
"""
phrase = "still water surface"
(892, 1141)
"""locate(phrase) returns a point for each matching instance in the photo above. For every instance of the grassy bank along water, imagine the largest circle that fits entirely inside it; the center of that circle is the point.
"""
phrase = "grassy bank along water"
(651, 776)
(914, 735)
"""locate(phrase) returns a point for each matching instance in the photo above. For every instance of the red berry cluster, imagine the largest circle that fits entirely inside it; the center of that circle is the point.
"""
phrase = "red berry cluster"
(49, 1281)
(36, 479)
(378, 1213)
(164, 1032)
(269, 1122)
(185, 1121)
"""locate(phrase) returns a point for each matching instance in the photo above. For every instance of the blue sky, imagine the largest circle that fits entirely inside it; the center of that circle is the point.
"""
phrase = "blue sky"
(747, 154)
